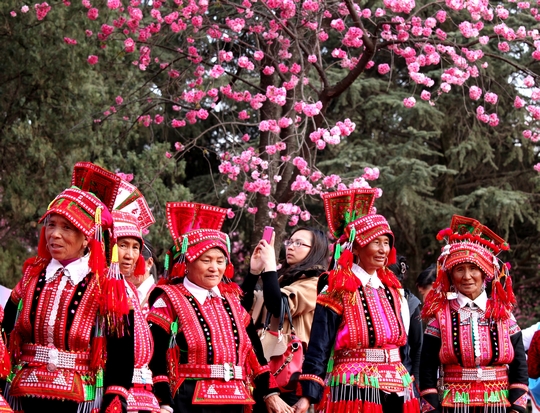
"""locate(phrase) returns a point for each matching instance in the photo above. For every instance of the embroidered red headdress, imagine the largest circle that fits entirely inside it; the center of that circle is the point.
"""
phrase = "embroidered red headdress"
(470, 241)
(350, 215)
(195, 229)
(132, 216)
(87, 206)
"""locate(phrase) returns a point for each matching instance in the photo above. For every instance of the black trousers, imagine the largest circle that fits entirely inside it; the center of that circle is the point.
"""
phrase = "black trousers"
(39, 405)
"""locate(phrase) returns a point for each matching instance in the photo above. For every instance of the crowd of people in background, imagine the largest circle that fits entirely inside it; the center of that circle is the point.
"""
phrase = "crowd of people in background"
(91, 326)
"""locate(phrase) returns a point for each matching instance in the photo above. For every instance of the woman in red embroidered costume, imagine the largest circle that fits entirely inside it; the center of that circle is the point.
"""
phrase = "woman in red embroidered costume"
(353, 359)
(131, 264)
(473, 336)
(5, 367)
(205, 342)
(67, 319)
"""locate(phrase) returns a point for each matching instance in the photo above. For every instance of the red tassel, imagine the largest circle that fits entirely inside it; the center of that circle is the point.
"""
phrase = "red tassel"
(229, 271)
(97, 257)
(392, 257)
(346, 259)
(388, 278)
(97, 355)
(173, 360)
(140, 267)
(178, 270)
(511, 298)
(230, 287)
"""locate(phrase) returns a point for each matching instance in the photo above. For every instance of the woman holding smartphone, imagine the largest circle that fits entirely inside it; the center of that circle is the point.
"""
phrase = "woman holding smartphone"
(306, 254)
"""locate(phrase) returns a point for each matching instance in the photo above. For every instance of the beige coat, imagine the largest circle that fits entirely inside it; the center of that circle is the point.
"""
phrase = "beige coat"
(302, 299)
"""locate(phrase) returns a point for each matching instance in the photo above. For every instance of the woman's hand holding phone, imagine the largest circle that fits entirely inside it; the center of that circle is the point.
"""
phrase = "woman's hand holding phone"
(264, 257)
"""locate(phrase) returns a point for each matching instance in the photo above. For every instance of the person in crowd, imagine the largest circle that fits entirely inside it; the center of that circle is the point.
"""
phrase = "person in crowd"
(425, 280)
(473, 336)
(306, 254)
(205, 343)
(410, 353)
(127, 231)
(5, 367)
(353, 360)
(143, 269)
(531, 344)
(69, 324)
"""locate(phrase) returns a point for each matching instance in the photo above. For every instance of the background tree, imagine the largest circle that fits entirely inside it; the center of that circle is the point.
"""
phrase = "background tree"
(271, 102)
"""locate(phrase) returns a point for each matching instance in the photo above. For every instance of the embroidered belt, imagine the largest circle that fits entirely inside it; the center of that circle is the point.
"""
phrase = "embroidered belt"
(54, 358)
(455, 374)
(370, 355)
(211, 371)
(142, 375)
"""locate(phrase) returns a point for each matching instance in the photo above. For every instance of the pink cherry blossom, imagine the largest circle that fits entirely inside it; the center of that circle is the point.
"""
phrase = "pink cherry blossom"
(93, 13)
(114, 4)
(293, 221)
(528, 81)
(409, 102)
(93, 59)
(178, 146)
(383, 68)
(13, 13)
(371, 174)
(24, 9)
(425, 95)
(519, 102)
(491, 98)
(258, 55)
(475, 92)
(168, 155)
(176, 123)
(42, 10)
(70, 41)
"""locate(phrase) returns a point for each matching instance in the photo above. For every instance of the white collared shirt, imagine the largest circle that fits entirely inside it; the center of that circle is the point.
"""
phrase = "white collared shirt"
(144, 288)
(366, 278)
(480, 301)
(75, 270)
(201, 294)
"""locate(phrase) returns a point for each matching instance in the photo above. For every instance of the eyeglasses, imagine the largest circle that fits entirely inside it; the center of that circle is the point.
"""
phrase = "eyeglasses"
(295, 244)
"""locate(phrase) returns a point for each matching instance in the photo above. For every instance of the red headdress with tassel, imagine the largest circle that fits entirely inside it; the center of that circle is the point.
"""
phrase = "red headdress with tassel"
(86, 205)
(469, 241)
(195, 229)
(132, 216)
(114, 305)
(350, 215)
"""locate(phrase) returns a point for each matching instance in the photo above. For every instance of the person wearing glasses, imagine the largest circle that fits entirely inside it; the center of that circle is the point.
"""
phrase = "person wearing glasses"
(306, 254)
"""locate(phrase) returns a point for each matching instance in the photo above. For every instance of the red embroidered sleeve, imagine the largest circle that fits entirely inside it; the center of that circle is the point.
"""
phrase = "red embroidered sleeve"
(331, 301)
(433, 328)
(312, 377)
(254, 365)
(534, 356)
(162, 313)
(513, 327)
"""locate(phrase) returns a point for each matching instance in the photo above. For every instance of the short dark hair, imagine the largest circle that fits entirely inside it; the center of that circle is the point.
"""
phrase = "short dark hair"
(427, 276)
(400, 268)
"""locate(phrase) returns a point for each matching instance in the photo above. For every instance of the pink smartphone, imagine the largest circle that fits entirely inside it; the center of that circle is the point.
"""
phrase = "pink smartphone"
(267, 234)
